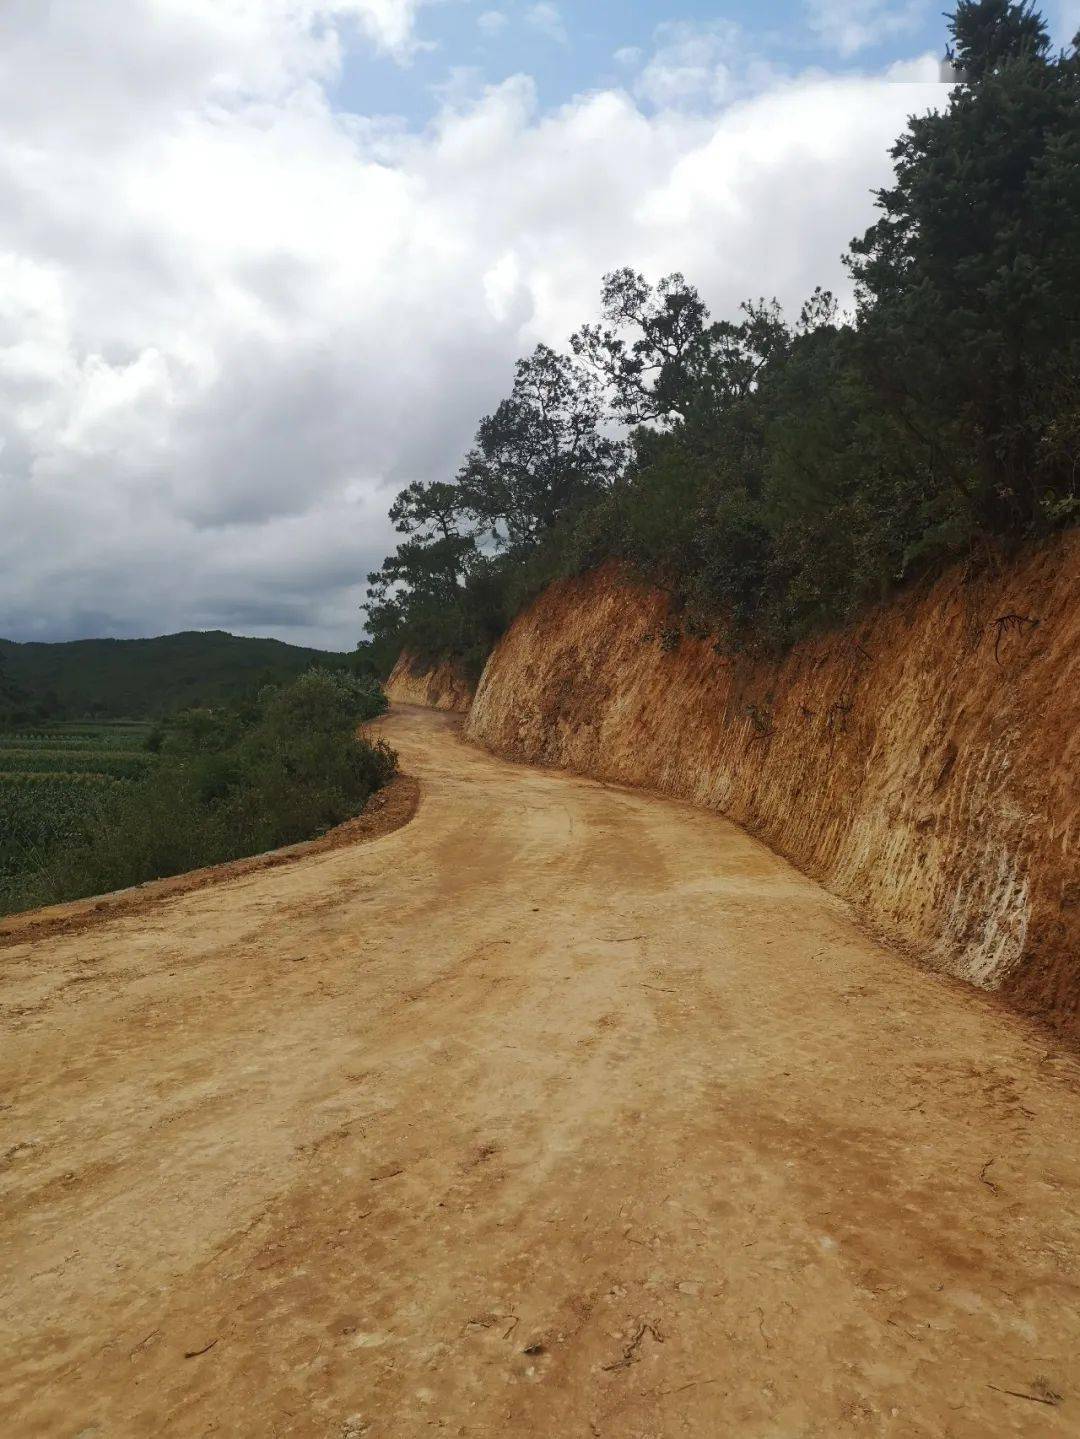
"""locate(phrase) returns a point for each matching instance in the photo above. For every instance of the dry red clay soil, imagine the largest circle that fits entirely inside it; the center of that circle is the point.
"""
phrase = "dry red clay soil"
(562, 1110)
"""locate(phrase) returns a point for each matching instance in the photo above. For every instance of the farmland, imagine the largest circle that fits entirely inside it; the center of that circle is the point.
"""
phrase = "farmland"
(93, 806)
(53, 779)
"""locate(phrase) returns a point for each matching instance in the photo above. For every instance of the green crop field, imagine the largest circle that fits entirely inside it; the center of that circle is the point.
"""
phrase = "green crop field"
(120, 764)
(52, 779)
(97, 737)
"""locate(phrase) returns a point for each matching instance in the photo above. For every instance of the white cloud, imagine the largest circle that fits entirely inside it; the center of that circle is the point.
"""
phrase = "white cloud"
(849, 26)
(691, 63)
(388, 22)
(548, 20)
(923, 70)
(233, 322)
(491, 22)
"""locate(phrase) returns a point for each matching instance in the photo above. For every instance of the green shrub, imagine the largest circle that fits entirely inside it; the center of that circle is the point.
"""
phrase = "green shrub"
(229, 783)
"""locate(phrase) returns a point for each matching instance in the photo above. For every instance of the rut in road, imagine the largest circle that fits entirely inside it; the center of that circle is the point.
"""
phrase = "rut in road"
(564, 1110)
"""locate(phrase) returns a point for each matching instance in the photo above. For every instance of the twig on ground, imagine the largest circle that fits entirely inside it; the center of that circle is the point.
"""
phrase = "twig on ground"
(1050, 1398)
(194, 1353)
(630, 1353)
(682, 1388)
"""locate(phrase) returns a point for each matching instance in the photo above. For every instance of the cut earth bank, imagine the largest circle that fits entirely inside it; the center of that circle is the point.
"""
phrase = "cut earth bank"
(921, 764)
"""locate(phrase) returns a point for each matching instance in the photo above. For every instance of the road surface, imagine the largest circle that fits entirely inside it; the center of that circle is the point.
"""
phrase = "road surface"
(562, 1111)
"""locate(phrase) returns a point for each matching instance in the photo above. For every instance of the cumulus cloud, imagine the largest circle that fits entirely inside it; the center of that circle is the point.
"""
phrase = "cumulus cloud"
(233, 321)
(491, 22)
(692, 63)
(849, 26)
(547, 19)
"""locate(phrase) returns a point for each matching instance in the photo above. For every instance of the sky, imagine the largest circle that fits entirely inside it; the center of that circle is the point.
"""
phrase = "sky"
(263, 262)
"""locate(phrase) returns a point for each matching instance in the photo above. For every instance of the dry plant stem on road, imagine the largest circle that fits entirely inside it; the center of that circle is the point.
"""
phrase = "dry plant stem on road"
(563, 1110)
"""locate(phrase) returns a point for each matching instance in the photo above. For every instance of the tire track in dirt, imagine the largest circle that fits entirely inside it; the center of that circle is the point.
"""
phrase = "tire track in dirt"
(562, 1110)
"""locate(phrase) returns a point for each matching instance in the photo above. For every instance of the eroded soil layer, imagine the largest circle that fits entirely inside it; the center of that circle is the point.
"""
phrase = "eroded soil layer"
(923, 764)
(436, 686)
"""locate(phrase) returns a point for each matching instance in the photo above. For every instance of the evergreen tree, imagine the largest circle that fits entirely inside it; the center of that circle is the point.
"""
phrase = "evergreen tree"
(987, 34)
(969, 284)
(542, 454)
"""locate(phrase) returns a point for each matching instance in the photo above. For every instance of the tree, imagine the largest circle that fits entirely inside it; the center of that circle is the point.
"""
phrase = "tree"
(968, 283)
(775, 477)
(675, 361)
(652, 375)
(10, 692)
(987, 34)
(429, 510)
(422, 575)
(542, 453)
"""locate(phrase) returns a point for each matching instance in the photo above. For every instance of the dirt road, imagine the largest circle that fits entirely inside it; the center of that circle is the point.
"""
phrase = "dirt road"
(561, 1111)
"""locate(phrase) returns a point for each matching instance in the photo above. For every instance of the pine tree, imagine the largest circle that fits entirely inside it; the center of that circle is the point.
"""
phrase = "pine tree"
(987, 34)
(969, 284)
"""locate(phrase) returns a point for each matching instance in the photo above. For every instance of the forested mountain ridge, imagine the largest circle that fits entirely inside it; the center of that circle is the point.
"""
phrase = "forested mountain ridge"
(146, 677)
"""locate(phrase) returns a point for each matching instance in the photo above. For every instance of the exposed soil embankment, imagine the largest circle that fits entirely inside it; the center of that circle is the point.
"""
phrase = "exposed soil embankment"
(922, 764)
(439, 687)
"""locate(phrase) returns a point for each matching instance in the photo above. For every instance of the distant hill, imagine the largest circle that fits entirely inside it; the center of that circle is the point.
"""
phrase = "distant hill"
(137, 678)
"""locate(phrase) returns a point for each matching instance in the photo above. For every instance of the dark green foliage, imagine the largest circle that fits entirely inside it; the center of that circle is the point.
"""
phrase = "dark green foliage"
(969, 284)
(987, 34)
(663, 358)
(775, 477)
(104, 735)
(120, 764)
(144, 677)
(540, 460)
(14, 699)
(52, 780)
(541, 455)
(270, 770)
(39, 814)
